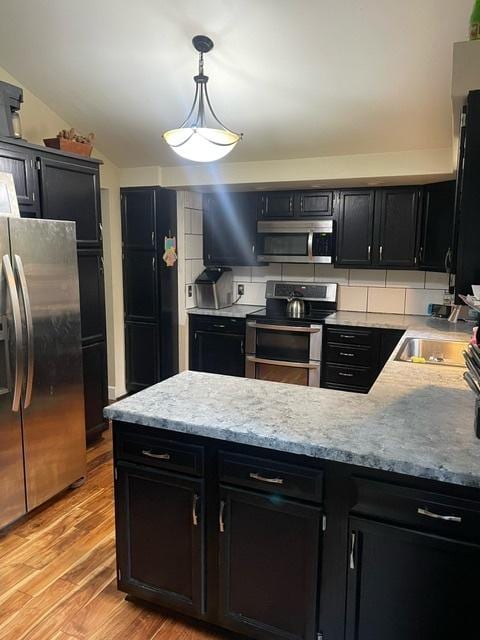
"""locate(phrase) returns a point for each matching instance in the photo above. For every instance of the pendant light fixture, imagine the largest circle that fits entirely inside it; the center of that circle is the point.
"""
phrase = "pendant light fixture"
(195, 139)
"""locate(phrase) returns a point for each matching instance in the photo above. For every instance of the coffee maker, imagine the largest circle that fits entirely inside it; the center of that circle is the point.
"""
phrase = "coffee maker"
(11, 98)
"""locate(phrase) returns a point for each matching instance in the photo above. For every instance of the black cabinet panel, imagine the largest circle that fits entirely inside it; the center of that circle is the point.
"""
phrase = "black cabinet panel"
(142, 355)
(138, 219)
(217, 345)
(92, 295)
(269, 563)
(277, 204)
(406, 584)
(95, 386)
(229, 229)
(71, 192)
(315, 204)
(355, 227)
(140, 285)
(21, 164)
(160, 537)
(437, 226)
(397, 218)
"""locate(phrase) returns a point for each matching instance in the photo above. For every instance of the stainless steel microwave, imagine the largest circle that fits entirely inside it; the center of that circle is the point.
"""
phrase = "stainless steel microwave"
(295, 241)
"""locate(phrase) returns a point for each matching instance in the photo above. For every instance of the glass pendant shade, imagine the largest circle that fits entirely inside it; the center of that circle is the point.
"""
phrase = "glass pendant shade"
(195, 139)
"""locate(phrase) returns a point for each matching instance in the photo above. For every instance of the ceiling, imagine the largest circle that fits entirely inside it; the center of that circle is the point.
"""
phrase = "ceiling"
(300, 78)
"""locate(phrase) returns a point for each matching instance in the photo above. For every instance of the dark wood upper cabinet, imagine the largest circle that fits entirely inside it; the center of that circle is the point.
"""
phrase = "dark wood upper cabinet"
(355, 216)
(277, 204)
(140, 283)
(71, 191)
(160, 537)
(229, 229)
(315, 204)
(409, 584)
(21, 164)
(437, 226)
(138, 219)
(268, 546)
(396, 212)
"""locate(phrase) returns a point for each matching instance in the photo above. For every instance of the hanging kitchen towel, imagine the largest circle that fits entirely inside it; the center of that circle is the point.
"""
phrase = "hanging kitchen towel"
(170, 255)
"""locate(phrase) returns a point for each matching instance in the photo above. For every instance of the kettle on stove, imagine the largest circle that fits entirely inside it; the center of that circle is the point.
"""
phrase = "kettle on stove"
(295, 306)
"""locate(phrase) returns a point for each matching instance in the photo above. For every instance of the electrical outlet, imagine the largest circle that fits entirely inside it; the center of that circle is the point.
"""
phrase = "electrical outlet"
(189, 291)
(241, 289)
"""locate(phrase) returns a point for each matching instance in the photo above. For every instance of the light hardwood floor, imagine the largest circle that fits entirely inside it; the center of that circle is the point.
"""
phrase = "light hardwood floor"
(57, 571)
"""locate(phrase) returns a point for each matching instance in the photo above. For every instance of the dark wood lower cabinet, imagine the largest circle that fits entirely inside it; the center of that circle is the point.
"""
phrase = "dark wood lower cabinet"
(269, 556)
(95, 387)
(143, 355)
(160, 537)
(279, 546)
(405, 584)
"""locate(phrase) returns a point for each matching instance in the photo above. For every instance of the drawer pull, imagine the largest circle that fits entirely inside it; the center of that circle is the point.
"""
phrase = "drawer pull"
(347, 336)
(219, 326)
(345, 375)
(352, 549)
(257, 476)
(221, 521)
(157, 456)
(349, 355)
(194, 510)
(438, 516)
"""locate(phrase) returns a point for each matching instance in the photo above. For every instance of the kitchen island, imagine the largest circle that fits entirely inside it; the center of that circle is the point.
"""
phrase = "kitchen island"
(279, 511)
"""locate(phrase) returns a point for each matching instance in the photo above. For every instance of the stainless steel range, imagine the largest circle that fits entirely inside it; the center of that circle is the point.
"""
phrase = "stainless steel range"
(284, 340)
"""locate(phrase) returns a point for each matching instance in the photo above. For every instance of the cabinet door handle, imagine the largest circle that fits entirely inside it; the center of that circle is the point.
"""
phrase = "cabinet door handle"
(157, 456)
(100, 228)
(221, 521)
(196, 499)
(153, 237)
(438, 516)
(381, 253)
(349, 355)
(353, 543)
(253, 248)
(242, 348)
(153, 263)
(369, 251)
(257, 476)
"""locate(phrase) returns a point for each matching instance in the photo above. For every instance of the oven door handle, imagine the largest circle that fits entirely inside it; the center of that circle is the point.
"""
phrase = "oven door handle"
(278, 327)
(284, 363)
(310, 245)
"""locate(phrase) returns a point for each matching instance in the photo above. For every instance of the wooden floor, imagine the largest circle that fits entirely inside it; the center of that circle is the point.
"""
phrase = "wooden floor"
(57, 571)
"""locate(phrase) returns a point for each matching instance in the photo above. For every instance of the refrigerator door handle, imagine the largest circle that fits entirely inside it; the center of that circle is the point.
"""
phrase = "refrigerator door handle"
(17, 327)
(29, 323)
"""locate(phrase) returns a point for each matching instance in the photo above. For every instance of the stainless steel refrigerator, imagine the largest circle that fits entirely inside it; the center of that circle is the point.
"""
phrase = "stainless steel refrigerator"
(42, 423)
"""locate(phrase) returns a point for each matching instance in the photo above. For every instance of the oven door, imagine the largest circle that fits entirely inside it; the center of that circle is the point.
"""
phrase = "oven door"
(284, 353)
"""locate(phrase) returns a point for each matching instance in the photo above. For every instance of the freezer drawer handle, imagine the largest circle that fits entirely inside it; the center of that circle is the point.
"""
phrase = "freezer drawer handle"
(17, 327)
(157, 456)
(257, 476)
(29, 323)
(438, 516)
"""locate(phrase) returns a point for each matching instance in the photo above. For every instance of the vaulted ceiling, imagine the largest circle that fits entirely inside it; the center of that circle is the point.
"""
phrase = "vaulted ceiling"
(300, 78)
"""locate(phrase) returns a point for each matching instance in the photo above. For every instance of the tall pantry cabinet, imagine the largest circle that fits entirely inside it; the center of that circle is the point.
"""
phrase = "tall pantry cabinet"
(61, 186)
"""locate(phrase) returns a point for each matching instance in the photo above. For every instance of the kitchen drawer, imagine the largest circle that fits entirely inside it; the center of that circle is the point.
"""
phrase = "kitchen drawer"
(418, 509)
(218, 324)
(349, 335)
(161, 453)
(345, 376)
(349, 354)
(271, 476)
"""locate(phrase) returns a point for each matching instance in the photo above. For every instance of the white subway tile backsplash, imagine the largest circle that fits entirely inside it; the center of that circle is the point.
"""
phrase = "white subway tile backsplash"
(254, 293)
(386, 300)
(352, 298)
(406, 279)
(193, 200)
(328, 273)
(196, 222)
(272, 271)
(193, 246)
(242, 274)
(417, 300)
(300, 272)
(196, 267)
(436, 280)
(187, 216)
(367, 278)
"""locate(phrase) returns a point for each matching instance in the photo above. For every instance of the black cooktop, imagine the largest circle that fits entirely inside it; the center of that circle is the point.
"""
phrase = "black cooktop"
(278, 317)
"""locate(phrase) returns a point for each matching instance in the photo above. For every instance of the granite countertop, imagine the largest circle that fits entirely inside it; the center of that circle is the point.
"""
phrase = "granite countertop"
(235, 311)
(416, 420)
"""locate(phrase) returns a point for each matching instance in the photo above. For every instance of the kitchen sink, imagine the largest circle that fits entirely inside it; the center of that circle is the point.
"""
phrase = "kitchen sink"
(425, 351)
